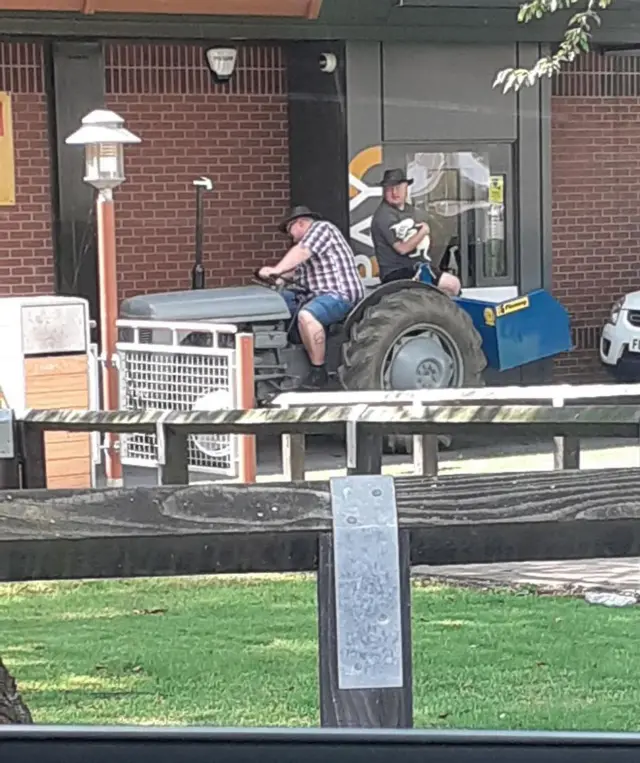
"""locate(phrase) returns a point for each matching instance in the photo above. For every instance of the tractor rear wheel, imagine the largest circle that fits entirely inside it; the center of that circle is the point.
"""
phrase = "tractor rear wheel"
(412, 339)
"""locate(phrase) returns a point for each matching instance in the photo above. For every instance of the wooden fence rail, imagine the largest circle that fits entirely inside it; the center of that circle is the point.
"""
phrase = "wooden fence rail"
(566, 450)
(360, 533)
(367, 424)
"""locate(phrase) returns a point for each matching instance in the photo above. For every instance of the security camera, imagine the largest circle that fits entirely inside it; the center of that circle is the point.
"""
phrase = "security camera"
(328, 63)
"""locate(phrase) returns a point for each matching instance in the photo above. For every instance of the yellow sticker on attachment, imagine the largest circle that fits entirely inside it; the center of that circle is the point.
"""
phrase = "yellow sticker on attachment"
(489, 317)
(512, 307)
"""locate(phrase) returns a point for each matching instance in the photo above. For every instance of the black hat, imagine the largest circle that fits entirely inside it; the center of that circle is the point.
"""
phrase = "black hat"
(395, 177)
(295, 214)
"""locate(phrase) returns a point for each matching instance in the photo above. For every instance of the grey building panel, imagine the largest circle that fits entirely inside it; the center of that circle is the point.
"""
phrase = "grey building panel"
(364, 96)
(545, 175)
(444, 93)
(529, 243)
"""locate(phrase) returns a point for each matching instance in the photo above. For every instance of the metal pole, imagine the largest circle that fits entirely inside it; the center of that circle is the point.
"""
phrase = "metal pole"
(198, 272)
(108, 287)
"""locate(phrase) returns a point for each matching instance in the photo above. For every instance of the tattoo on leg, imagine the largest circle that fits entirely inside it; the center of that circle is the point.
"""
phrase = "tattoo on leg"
(318, 337)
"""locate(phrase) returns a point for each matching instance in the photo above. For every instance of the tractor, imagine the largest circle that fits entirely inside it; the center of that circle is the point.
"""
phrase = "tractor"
(403, 335)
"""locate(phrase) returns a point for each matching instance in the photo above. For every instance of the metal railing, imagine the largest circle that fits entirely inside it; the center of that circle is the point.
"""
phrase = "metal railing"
(425, 447)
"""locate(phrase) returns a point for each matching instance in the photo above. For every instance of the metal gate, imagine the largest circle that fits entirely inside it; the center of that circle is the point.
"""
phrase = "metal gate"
(176, 366)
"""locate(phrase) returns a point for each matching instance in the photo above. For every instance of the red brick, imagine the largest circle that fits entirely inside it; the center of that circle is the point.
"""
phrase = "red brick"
(26, 251)
(156, 206)
(596, 216)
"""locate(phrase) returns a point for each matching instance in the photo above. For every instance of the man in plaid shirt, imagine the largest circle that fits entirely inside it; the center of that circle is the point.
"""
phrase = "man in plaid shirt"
(322, 261)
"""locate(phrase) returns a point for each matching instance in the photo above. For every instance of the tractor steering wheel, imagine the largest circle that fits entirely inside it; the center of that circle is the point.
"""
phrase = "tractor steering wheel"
(279, 284)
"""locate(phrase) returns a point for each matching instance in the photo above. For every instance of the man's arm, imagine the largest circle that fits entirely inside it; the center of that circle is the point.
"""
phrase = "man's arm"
(383, 225)
(292, 259)
(408, 246)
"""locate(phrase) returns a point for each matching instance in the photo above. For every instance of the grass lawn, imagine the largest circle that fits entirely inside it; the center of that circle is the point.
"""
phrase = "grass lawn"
(242, 652)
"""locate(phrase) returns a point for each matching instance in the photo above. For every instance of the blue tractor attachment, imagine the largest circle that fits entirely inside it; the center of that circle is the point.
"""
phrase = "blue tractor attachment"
(520, 331)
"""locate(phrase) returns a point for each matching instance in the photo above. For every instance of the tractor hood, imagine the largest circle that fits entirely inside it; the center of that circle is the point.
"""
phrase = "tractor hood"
(235, 304)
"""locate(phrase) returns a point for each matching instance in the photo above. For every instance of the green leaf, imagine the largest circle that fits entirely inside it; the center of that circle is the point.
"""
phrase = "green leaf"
(576, 39)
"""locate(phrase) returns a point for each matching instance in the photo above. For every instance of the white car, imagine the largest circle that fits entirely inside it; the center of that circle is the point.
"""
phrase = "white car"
(620, 340)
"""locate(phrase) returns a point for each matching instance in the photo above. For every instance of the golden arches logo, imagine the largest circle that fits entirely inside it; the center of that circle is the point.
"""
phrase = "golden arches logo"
(359, 193)
(362, 163)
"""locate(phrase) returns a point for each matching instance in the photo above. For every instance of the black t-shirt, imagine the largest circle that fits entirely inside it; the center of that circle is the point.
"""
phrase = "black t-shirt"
(389, 226)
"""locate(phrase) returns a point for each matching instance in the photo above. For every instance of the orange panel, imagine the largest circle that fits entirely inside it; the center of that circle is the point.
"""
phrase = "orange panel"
(282, 8)
(62, 382)
(41, 5)
(68, 482)
(313, 9)
(56, 365)
(7, 153)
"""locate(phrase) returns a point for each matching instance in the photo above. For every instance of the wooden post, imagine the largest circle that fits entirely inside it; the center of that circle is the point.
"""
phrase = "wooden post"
(566, 453)
(364, 630)
(34, 462)
(245, 392)
(425, 455)
(293, 457)
(175, 470)
(367, 458)
(566, 450)
(9, 451)
(382, 706)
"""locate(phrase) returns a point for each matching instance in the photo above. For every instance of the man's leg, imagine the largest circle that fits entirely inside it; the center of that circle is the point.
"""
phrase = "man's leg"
(401, 274)
(449, 284)
(313, 320)
(313, 336)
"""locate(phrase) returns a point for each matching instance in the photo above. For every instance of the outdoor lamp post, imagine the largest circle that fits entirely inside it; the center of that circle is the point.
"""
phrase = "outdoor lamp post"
(104, 136)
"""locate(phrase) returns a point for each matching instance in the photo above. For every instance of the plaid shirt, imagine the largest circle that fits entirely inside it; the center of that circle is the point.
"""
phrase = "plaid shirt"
(331, 269)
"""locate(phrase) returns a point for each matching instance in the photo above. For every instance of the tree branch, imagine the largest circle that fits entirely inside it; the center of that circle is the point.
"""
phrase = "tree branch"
(12, 707)
(575, 41)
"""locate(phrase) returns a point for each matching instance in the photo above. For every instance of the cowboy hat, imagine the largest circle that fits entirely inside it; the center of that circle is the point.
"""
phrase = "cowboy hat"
(295, 214)
(395, 177)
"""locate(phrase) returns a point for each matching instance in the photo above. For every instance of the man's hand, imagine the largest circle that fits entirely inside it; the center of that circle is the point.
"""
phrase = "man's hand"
(268, 272)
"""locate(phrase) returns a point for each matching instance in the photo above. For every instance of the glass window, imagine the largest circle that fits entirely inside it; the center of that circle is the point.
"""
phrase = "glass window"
(464, 193)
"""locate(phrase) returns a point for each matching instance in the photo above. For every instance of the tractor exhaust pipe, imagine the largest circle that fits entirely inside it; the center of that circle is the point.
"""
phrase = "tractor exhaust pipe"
(197, 272)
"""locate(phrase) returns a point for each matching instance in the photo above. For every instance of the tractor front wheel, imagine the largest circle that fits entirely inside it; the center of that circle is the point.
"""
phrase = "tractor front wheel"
(412, 339)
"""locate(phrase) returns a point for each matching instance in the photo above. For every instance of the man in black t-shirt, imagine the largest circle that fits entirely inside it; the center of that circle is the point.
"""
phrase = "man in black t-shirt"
(401, 238)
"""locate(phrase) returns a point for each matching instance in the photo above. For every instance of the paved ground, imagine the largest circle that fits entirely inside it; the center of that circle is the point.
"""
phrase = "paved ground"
(575, 576)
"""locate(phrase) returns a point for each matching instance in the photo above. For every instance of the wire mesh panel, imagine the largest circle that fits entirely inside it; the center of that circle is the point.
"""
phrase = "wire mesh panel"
(178, 367)
(594, 75)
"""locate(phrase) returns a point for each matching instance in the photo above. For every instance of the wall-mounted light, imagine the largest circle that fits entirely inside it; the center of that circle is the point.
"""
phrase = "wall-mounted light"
(222, 62)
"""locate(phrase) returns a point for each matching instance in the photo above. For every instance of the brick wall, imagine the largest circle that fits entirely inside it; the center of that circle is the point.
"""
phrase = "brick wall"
(234, 133)
(596, 200)
(26, 250)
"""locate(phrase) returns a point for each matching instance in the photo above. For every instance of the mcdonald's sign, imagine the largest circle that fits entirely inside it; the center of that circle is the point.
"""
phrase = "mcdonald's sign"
(7, 156)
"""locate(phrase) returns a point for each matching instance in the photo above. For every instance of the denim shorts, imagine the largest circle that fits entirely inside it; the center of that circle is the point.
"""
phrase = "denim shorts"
(327, 309)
